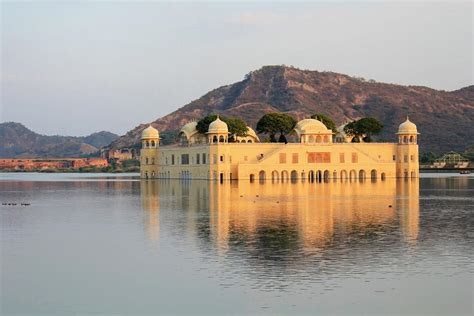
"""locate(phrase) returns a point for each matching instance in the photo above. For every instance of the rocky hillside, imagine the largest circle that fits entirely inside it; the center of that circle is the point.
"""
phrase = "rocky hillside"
(17, 141)
(445, 119)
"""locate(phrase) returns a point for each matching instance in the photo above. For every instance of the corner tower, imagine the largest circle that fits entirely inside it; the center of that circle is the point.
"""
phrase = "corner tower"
(149, 153)
(407, 150)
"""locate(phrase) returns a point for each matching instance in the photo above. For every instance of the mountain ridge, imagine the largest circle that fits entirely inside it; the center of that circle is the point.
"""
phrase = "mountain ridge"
(17, 141)
(302, 93)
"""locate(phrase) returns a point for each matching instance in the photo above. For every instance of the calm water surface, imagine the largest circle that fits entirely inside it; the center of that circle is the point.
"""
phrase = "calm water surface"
(114, 245)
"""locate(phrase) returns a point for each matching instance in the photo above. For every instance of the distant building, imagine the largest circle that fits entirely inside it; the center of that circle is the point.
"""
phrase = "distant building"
(51, 163)
(314, 157)
(119, 155)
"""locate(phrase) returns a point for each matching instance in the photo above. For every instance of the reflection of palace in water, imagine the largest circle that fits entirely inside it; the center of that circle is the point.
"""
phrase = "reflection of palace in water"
(304, 215)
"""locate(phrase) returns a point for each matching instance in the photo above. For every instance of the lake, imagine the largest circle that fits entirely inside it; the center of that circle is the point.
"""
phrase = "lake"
(99, 244)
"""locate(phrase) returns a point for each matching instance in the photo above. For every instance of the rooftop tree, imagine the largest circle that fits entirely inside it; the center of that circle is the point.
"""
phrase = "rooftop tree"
(326, 120)
(364, 129)
(274, 123)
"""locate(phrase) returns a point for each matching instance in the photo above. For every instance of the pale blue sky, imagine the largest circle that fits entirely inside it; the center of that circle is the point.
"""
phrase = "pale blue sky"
(76, 68)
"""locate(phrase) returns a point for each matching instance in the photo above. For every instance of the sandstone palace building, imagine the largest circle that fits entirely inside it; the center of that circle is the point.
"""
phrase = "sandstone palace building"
(314, 157)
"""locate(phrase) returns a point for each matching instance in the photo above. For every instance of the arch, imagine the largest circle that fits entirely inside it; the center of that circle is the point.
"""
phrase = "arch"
(238, 141)
(352, 175)
(362, 174)
(153, 174)
(326, 139)
(275, 176)
(294, 175)
(405, 174)
(261, 176)
(249, 141)
(311, 139)
(221, 139)
(382, 176)
(252, 177)
(405, 139)
(147, 144)
(152, 143)
(327, 175)
(373, 174)
(319, 176)
(214, 139)
(146, 174)
(284, 176)
(334, 174)
(318, 139)
(343, 174)
(311, 176)
(411, 139)
(413, 174)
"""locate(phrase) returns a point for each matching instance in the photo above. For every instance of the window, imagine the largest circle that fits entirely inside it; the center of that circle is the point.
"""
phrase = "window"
(412, 158)
(294, 158)
(394, 157)
(354, 158)
(185, 159)
(204, 159)
(197, 158)
(152, 161)
(282, 158)
(222, 158)
(405, 158)
(172, 159)
(146, 161)
(319, 157)
(342, 158)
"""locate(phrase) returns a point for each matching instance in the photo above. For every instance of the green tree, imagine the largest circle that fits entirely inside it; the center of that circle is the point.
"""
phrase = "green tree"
(236, 126)
(273, 123)
(326, 120)
(364, 129)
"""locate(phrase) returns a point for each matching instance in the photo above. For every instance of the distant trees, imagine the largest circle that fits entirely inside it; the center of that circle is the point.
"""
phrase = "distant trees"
(363, 129)
(237, 127)
(276, 123)
(326, 120)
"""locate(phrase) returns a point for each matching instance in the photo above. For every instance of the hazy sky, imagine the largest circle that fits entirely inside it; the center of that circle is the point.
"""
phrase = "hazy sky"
(80, 67)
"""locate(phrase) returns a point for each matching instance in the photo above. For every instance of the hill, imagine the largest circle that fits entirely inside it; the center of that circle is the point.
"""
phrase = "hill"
(445, 119)
(17, 141)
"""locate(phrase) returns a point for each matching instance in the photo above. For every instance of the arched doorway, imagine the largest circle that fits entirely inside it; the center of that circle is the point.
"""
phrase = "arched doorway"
(362, 174)
(343, 174)
(352, 175)
(311, 176)
(284, 176)
(326, 175)
(275, 176)
(261, 176)
(319, 176)
(373, 174)
(252, 177)
(294, 176)
(382, 176)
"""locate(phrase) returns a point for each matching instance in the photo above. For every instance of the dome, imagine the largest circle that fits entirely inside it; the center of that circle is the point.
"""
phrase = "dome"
(251, 132)
(311, 126)
(218, 127)
(407, 127)
(150, 132)
(189, 129)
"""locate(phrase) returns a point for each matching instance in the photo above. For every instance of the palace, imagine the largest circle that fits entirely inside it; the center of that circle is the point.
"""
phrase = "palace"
(314, 157)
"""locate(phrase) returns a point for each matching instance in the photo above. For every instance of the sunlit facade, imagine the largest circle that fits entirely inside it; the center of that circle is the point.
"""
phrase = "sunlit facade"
(314, 157)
